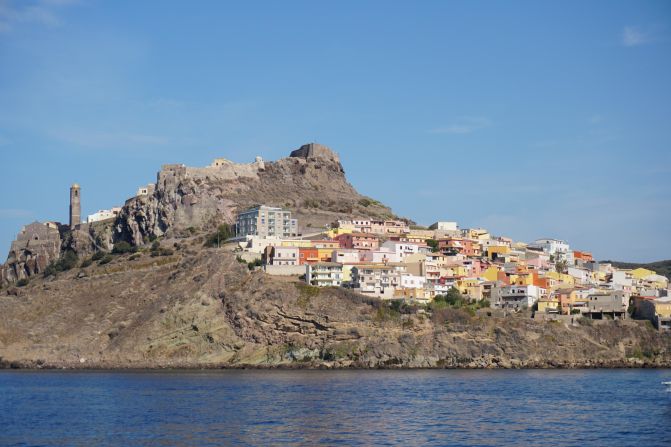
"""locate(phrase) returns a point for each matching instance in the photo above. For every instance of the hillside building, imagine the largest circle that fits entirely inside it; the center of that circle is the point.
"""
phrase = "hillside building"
(266, 221)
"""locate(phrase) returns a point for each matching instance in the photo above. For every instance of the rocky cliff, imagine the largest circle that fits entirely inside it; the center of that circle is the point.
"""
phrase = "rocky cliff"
(202, 308)
(311, 183)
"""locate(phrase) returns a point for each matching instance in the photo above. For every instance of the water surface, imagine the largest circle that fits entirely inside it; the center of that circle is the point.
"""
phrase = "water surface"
(438, 407)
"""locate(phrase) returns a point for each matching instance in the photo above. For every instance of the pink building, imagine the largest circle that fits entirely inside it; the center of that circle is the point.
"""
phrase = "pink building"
(359, 241)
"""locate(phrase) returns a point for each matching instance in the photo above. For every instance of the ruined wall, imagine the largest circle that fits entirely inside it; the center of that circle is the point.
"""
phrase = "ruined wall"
(35, 247)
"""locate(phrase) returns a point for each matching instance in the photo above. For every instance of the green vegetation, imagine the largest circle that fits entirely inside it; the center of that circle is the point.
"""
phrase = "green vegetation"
(433, 244)
(97, 256)
(418, 227)
(660, 267)
(66, 262)
(253, 264)
(22, 282)
(123, 247)
(106, 259)
(224, 232)
(365, 202)
(86, 263)
(455, 300)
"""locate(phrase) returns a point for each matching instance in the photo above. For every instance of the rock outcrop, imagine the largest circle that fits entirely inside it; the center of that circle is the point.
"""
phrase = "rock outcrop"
(35, 247)
(311, 183)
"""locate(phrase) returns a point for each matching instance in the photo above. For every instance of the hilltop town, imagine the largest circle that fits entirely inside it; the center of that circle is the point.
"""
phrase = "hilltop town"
(296, 231)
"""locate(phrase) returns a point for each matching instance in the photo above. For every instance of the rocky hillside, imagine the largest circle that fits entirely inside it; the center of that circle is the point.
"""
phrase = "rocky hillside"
(311, 183)
(202, 308)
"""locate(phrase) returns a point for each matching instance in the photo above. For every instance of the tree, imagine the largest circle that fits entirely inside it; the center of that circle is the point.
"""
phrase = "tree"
(433, 244)
(561, 266)
(224, 232)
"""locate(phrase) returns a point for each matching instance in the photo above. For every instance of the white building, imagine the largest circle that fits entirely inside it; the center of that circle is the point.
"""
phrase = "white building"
(266, 221)
(282, 256)
(324, 274)
(103, 215)
(376, 280)
(517, 297)
(409, 281)
(401, 249)
(345, 256)
(556, 248)
(381, 256)
(444, 226)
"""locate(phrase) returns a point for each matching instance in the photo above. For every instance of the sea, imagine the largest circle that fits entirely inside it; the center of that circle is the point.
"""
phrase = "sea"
(600, 407)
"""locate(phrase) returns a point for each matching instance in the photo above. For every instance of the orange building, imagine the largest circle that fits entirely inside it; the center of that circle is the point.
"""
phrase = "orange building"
(584, 256)
(308, 255)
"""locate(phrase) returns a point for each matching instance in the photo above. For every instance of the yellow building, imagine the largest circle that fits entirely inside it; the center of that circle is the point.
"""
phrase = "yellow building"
(548, 305)
(498, 250)
(301, 243)
(641, 273)
(470, 287)
(491, 274)
(562, 278)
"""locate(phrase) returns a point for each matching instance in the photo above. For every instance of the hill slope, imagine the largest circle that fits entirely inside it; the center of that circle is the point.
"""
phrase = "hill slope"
(202, 308)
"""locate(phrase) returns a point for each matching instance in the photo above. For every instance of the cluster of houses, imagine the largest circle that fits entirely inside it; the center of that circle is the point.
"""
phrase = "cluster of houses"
(389, 259)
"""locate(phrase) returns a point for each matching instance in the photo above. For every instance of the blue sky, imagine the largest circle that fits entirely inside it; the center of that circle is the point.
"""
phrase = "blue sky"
(532, 119)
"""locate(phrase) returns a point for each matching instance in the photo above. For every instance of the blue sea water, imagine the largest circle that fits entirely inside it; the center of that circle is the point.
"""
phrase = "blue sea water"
(426, 407)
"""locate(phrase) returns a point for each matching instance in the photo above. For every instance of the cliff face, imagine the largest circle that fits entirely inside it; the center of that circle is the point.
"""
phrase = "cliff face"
(311, 183)
(202, 308)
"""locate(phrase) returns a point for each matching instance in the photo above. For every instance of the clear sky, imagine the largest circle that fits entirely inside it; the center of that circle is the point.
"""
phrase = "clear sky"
(532, 119)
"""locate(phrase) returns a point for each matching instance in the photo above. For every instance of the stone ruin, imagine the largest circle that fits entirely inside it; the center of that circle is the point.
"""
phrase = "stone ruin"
(35, 247)
(314, 150)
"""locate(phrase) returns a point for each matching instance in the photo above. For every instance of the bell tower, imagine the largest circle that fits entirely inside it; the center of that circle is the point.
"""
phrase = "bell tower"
(75, 206)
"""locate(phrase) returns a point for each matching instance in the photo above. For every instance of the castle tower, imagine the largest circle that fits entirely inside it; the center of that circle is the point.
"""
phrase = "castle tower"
(75, 206)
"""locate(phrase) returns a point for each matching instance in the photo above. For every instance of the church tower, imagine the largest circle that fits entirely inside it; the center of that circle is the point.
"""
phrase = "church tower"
(75, 206)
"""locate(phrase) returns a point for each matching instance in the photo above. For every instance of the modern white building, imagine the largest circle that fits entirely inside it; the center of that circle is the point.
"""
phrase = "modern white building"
(266, 221)
(324, 274)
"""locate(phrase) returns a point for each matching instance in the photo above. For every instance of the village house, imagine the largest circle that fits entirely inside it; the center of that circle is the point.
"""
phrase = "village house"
(281, 256)
(324, 274)
(376, 280)
(466, 247)
(359, 241)
(518, 297)
(656, 310)
(602, 305)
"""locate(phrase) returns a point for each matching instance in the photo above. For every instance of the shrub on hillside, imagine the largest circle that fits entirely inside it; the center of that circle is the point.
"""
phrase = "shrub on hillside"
(122, 247)
(224, 232)
(66, 262)
(22, 282)
(106, 259)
